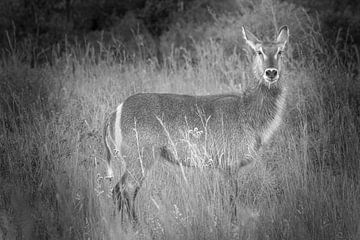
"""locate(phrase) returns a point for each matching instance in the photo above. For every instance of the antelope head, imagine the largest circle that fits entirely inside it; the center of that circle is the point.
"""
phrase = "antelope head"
(267, 62)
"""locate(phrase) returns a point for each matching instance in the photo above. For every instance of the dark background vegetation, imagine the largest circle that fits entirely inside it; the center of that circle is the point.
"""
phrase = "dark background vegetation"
(118, 24)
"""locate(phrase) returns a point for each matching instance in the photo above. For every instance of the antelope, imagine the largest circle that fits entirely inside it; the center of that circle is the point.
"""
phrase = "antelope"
(150, 127)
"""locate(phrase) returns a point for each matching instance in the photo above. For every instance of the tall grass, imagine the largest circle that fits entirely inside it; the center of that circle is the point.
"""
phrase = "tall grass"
(305, 185)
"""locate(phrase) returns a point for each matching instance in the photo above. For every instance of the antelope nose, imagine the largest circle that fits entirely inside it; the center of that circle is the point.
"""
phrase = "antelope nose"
(271, 73)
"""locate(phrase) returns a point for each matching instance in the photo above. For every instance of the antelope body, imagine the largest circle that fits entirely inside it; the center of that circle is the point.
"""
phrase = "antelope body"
(230, 128)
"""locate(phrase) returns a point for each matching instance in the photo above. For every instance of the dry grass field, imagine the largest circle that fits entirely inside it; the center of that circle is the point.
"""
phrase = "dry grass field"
(305, 184)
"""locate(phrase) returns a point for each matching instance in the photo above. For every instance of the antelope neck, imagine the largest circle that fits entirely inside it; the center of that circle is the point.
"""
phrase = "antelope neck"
(264, 104)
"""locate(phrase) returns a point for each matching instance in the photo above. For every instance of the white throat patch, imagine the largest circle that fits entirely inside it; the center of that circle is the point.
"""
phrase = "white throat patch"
(275, 123)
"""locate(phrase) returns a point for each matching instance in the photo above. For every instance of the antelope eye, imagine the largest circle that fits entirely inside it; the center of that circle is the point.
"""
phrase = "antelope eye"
(259, 53)
(280, 52)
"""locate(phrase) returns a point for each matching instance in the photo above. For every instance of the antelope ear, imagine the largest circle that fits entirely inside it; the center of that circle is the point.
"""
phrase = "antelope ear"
(283, 36)
(250, 39)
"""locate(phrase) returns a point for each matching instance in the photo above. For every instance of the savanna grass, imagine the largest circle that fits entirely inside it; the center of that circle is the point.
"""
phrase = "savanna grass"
(303, 186)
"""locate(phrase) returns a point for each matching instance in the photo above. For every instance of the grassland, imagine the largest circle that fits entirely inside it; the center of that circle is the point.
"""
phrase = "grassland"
(305, 184)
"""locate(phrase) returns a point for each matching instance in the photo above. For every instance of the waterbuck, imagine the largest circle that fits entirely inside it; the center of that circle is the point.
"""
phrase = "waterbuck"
(227, 128)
